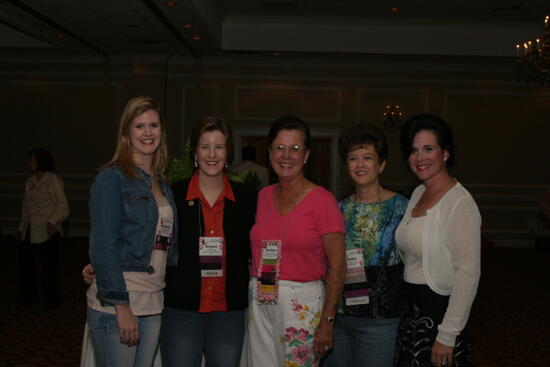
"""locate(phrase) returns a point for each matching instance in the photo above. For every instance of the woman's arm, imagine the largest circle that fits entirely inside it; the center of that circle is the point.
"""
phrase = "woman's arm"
(334, 249)
(463, 231)
(23, 225)
(61, 212)
(106, 217)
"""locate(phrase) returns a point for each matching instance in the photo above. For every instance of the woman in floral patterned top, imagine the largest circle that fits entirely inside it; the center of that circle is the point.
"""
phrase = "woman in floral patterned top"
(367, 321)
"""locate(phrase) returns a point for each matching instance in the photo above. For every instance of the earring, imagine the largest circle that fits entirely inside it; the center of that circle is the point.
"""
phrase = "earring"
(305, 161)
(226, 165)
(196, 164)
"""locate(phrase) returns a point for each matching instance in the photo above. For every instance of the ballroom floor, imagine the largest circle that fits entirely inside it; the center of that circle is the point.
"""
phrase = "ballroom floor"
(510, 320)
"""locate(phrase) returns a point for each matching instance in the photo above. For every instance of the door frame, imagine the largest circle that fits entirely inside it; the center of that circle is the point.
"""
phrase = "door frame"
(332, 134)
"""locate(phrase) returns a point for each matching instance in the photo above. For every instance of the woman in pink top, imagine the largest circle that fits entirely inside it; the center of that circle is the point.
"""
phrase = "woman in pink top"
(297, 241)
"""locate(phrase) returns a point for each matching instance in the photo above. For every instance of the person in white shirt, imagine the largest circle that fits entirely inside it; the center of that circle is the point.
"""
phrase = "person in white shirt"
(248, 165)
(439, 240)
(44, 209)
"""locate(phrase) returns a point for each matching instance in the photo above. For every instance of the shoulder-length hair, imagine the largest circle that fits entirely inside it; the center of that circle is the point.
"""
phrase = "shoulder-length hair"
(123, 153)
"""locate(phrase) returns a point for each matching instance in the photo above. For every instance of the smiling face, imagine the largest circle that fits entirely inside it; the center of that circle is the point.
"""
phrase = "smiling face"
(288, 154)
(363, 165)
(145, 136)
(211, 153)
(427, 158)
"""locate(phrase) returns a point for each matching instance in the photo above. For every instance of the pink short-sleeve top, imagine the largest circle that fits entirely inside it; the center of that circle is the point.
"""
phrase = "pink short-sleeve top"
(303, 257)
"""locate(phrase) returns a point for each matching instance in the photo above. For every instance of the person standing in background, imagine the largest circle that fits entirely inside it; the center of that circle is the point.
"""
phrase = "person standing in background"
(248, 164)
(44, 209)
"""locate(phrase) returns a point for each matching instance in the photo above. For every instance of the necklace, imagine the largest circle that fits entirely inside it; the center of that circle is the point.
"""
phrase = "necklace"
(380, 194)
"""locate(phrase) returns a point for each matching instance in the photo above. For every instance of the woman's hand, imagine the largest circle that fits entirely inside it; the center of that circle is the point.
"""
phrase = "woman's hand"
(334, 249)
(442, 355)
(50, 228)
(127, 325)
(322, 341)
(88, 274)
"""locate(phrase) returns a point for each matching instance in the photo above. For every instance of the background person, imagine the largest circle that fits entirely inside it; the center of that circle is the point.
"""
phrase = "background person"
(366, 325)
(44, 209)
(298, 234)
(132, 214)
(248, 164)
(207, 293)
(439, 239)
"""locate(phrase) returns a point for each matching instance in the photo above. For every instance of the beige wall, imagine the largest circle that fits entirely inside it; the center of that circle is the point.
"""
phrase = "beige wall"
(72, 108)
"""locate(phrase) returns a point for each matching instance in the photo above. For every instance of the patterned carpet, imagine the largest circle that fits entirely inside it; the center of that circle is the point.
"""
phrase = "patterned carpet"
(510, 319)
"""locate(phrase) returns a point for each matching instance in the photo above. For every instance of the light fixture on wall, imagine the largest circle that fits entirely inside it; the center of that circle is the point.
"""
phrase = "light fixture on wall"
(533, 59)
(393, 117)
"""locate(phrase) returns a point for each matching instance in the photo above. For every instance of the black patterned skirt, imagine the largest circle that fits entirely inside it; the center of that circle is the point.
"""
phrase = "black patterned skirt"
(423, 312)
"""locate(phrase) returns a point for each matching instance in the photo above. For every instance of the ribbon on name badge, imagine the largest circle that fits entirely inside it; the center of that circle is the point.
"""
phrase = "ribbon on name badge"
(268, 272)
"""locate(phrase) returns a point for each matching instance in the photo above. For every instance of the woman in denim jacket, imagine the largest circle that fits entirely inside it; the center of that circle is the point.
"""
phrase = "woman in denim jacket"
(132, 237)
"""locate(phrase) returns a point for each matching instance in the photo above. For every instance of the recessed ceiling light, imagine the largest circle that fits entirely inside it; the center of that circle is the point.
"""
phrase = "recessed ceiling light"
(276, 54)
(60, 35)
(170, 3)
(196, 38)
(188, 26)
(394, 9)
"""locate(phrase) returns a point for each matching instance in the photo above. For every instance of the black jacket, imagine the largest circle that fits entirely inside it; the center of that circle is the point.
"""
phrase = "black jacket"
(183, 283)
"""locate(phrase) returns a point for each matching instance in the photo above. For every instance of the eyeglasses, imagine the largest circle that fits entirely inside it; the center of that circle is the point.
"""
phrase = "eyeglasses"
(293, 149)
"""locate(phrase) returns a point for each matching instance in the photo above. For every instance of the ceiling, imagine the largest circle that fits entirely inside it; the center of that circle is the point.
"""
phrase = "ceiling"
(200, 28)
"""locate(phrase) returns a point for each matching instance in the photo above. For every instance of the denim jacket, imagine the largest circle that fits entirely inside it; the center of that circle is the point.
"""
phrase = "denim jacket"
(124, 215)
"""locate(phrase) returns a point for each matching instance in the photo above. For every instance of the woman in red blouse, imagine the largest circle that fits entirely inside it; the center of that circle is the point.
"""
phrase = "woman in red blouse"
(207, 293)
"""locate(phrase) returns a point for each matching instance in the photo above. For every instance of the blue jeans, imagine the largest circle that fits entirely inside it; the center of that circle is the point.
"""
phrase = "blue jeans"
(362, 341)
(186, 335)
(110, 352)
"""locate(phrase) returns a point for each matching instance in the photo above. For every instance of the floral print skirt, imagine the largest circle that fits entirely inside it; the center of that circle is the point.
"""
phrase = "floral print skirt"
(423, 312)
(282, 334)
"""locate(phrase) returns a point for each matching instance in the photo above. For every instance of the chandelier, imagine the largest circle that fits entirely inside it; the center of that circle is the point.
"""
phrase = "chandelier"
(533, 59)
(393, 117)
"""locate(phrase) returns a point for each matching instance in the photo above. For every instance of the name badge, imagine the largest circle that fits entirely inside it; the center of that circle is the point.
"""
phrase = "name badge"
(211, 256)
(268, 272)
(355, 285)
(164, 234)
(166, 225)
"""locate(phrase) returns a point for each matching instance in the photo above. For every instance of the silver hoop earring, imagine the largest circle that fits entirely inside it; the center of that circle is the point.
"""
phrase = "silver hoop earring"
(196, 164)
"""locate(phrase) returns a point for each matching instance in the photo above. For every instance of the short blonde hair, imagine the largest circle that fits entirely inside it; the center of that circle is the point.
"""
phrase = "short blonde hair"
(123, 153)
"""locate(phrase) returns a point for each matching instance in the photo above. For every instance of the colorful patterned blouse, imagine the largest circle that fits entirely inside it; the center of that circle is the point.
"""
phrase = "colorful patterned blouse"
(371, 228)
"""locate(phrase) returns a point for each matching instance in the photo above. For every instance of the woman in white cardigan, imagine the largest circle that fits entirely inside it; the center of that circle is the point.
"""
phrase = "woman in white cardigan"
(439, 240)
(43, 211)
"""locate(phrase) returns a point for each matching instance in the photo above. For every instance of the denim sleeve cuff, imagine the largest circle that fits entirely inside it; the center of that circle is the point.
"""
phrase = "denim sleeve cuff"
(113, 297)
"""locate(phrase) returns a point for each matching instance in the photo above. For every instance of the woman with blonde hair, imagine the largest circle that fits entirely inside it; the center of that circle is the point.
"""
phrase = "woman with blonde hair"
(132, 214)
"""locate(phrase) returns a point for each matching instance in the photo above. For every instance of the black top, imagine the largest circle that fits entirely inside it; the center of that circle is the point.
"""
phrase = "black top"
(183, 283)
